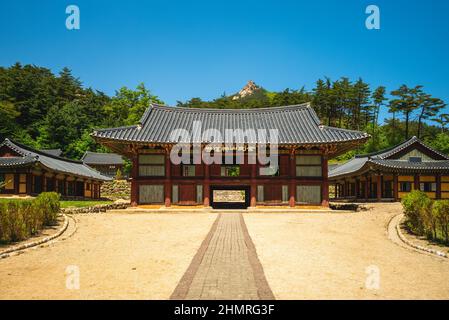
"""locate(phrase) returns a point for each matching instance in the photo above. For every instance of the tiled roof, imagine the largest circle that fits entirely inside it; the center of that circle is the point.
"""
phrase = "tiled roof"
(386, 159)
(58, 164)
(101, 158)
(17, 161)
(390, 152)
(53, 152)
(401, 164)
(352, 165)
(297, 124)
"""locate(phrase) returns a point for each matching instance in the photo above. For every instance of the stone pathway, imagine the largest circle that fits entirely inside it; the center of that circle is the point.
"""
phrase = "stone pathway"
(226, 266)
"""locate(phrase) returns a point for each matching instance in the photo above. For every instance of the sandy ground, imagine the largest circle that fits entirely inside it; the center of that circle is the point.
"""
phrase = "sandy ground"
(305, 256)
(46, 232)
(122, 256)
(337, 256)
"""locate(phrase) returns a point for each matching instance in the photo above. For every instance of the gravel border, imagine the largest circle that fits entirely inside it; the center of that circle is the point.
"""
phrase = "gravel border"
(413, 245)
(14, 250)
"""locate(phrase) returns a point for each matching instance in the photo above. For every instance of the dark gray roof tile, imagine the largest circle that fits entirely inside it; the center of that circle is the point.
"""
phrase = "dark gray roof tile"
(62, 165)
(297, 124)
(92, 158)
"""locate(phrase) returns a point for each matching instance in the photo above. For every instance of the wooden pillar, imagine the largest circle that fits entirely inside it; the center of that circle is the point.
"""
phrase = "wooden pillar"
(438, 183)
(395, 187)
(325, 184)
(416, 182)
(167, 181)
(134, 181)
(206, 186)
(253, 188)
(379, 187)
(292, 186)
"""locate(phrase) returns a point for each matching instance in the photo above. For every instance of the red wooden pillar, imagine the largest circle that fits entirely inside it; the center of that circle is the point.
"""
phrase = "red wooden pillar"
(379, 187)
(292, 187)
(167, 181)
(325, 184)
(357, 188)
(253, 188)
(134, 182)
(395, 187)
(438, 183)
(416, 181)
(206, 184)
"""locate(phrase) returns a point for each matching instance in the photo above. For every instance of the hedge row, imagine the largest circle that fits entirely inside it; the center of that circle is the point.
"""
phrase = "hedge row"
(21, 219)
(426, 217)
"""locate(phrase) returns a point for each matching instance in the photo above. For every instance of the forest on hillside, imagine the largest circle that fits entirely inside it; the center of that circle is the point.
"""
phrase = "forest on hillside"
(46, 110)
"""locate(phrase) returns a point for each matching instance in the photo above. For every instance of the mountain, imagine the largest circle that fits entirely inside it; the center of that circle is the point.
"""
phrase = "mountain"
(250, 89)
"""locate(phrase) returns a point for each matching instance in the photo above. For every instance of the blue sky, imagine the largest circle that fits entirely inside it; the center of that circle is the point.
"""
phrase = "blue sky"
(201, 49)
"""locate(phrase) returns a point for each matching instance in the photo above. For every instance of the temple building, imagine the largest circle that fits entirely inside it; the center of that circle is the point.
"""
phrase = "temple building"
(303, 147)
(107, 164)
(26, 171)
(390, 174)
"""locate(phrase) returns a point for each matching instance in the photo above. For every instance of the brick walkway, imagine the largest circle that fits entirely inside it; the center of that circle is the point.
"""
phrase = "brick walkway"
(226, 265)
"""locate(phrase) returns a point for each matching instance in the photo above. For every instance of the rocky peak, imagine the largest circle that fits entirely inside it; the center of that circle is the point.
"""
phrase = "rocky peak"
(247, 90)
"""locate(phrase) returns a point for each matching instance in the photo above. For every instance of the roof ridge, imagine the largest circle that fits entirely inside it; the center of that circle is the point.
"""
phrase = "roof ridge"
(32, 150)
(249, 110)
(375, 153)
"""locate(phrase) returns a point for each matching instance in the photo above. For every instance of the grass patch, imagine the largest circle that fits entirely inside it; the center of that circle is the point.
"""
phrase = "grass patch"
(64, 203)
(82, 203)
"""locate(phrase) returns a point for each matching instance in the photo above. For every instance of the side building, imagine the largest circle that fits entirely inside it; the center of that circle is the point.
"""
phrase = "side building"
(390, 174)
(106, 163)
(26, 171)
(299, 178)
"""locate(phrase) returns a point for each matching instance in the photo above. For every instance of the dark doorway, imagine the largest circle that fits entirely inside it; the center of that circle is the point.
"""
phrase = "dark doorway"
(230, 197)
(79, 191)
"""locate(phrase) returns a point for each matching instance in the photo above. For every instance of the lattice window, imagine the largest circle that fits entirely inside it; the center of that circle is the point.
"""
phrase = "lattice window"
(309, 166)
(151, 165)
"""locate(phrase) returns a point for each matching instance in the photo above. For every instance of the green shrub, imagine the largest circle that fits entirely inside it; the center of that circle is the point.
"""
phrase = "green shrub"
(48, 205)
(416, 205)
(17, 227)
(441, 214)
(4, 222)
(21, 219)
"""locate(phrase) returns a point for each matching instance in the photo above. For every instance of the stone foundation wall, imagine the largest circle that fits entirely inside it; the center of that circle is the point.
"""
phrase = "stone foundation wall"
(116, 189)
(96, 209)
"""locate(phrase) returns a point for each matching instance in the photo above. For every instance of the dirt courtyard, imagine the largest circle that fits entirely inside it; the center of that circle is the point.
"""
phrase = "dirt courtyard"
(339, 256)
(304, 256)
